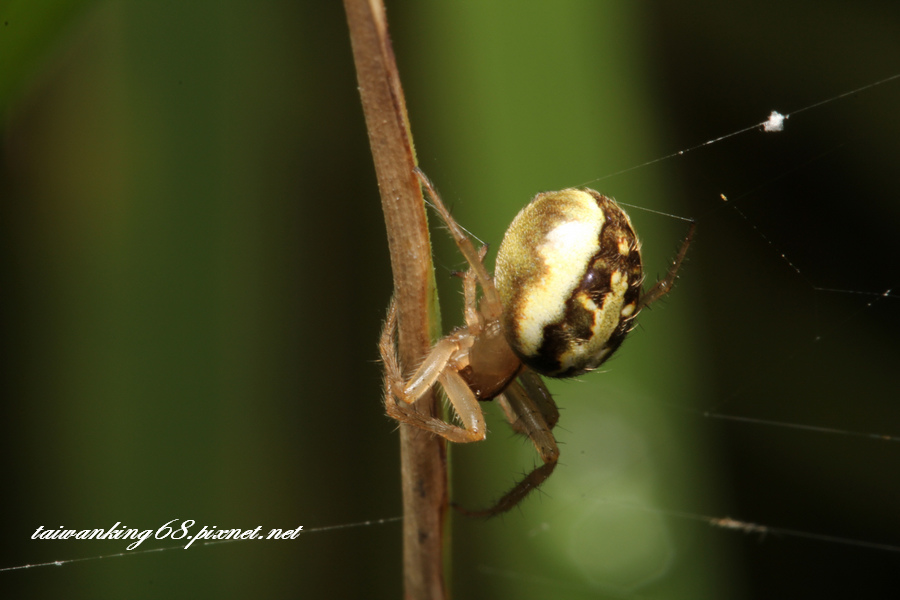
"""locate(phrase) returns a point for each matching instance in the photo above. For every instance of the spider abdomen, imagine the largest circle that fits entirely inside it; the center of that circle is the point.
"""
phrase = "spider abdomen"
(569, 276)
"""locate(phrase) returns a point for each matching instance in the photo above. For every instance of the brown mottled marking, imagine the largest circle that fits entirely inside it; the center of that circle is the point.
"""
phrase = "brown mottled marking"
(569, 275)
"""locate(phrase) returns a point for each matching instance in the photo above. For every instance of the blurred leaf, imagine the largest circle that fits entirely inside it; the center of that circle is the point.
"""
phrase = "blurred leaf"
(28, 32)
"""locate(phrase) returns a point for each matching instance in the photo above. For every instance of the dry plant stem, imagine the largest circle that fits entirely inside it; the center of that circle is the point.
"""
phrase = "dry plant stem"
(423, 455)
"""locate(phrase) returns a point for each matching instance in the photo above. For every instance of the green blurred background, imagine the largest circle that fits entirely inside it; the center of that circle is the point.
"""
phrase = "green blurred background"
(196, 272)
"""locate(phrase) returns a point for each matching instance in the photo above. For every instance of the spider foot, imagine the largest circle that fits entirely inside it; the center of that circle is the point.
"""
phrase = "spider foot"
(513, 497)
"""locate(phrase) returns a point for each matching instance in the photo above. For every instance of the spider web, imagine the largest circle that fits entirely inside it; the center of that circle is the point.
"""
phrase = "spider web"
(794, 292)
(868, 301)
(805, 395)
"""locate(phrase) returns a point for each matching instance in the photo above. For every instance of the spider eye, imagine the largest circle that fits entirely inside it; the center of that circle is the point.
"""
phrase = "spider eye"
(569, 276)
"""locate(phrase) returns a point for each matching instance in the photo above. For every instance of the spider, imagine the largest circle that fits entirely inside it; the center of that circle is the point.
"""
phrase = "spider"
(566, 291)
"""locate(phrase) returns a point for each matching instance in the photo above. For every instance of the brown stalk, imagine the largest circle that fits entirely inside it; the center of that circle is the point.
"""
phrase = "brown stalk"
(423, 456)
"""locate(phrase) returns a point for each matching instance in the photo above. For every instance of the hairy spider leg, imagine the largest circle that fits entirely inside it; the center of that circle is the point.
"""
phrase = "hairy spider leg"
(664, 286)
(432, 370)
(533, 418)
(492, 307)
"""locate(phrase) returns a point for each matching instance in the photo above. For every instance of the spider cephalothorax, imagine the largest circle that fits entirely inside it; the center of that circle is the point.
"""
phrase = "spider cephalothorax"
(566, 292)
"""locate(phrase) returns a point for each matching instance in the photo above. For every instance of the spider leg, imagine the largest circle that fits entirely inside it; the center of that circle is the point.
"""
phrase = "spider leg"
(493, 307)
(539, 394)
(526, 407)
(525, 416)
(434, 369)
(474, 320)
(664, 286)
